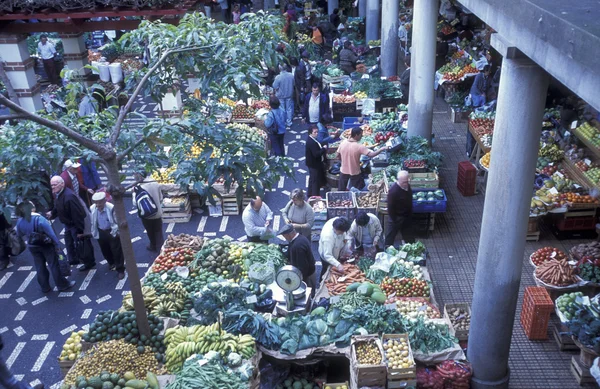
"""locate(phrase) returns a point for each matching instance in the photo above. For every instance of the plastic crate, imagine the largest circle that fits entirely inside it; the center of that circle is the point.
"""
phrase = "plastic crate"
(351, 122)
(576, 223)
(425, 206)
(414, 169)
(466, 167)
(343, 107)
(535, 313)
(347, 212)
(466, 188)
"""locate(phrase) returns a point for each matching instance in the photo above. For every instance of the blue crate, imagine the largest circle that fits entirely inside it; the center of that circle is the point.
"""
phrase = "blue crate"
(351, 122)
(437, 206)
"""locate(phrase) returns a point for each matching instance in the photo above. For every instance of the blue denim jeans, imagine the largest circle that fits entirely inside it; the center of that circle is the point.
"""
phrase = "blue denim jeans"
(47, 255)
(8, 380)
(288, 106)
(277, 147)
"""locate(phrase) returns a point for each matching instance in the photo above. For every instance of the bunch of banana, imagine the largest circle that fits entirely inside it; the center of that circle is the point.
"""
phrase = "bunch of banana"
(177, 289)
(166, 304)
(150, 299)
(182, 342)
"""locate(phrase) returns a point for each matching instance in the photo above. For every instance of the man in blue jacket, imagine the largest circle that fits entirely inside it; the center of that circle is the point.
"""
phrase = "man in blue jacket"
(316, 112)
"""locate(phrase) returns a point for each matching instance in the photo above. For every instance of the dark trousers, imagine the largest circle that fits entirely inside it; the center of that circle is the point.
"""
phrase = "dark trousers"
(111, 250)
(315, 179)
(470, 143)
(50, 69)
(46, 255)
(394, 227)
(356, 181)
(277, 147)
(8, 380)
(86, 256)
(154, 231)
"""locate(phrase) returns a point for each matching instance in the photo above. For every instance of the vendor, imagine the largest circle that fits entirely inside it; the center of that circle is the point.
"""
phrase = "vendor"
(257, 219)
(332, 241)
(366, 230)
(348, 58)
(298, 213)
(481, 86)
(399, 201)
(350, 151)
(405, 80)
(300, 254)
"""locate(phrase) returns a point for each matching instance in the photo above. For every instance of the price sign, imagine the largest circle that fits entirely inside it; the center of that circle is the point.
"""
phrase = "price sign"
(574, 125)
(334, 299)
(390, 307)
(351, 260)
(587, 161)
(553, 254)
(402, 254)
(553, 191)
(342, 279)
(559, 174)
(251, 299)
(365, 76)
(202, 362)
(163, 277)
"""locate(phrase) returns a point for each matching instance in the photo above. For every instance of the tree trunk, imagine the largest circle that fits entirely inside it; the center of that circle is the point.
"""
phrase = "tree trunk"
(117, 191)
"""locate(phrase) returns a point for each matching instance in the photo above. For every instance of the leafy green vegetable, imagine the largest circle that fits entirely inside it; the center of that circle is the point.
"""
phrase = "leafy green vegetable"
(429, 337)
(263, 253)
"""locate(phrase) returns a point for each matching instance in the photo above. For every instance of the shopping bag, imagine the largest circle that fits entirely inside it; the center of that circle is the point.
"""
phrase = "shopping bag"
(63, 264)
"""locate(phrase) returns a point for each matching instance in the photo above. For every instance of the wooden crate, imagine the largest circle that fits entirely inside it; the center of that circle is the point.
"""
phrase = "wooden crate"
(460, 334)
(230, 206)
(368, 375)
(564, 341)
(168, 206)
(65, 366)
(429, 180)
(402, 374)
(581, 372)
(172, 215)
(336, 385)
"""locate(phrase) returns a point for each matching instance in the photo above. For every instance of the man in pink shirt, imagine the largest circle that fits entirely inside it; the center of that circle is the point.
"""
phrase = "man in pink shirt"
(350, 151)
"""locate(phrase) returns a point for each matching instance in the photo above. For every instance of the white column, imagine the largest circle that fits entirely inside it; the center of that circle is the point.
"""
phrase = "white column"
(521, 98)
(362, 8)
(76, 54)
(422, 68)
(331, 5)
(373, 20)
(19, 67)
(389, 38)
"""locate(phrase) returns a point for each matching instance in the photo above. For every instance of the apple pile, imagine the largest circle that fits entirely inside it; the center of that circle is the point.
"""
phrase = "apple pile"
(381, 137)
(547, 253)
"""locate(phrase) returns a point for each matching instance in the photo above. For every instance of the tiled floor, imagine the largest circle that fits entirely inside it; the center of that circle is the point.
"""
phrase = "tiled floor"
(453, 247)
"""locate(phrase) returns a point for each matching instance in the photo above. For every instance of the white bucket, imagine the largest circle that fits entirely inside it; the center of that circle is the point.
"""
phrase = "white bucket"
(104, 72)
(116, 72)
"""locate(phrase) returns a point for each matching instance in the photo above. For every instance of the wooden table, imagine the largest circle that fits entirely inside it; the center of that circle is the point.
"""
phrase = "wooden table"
(479, 150)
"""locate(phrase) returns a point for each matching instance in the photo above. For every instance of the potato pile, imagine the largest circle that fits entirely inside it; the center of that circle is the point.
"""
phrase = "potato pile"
(586, 250)
(460, 319)
(184, 241)
(367, 353)
(397, 354)
(367, 200)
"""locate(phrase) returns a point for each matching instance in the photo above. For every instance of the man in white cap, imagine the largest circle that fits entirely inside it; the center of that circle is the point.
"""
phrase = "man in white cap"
(74, 180)
(106, 230)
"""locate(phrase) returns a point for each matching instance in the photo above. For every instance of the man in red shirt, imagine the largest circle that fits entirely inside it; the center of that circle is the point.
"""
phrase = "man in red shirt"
(74, 180)
(350, 151)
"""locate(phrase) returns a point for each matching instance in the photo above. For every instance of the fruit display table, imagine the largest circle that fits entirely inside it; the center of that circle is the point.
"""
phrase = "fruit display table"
(479, 149)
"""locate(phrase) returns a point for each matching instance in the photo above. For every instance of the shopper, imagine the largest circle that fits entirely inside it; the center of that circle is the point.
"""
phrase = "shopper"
(405, 80)
(316, 112)
(257, 218)
(236, 13)
(43, 245)
(299, 213)
(348, 58)
(69, 209)
(74, 180)
(332, 241)
(314, 158)
(47, 52)
(350, 151)
(90, 175)
(8, 380)
(224, 10)
(300, 254)
(275, 124)
(366, 231)
(284, 90)
(5, 249)
(303, 77)
(106, 230)
(480, 87)
(334, 18)
(149, 208)
(399, 201)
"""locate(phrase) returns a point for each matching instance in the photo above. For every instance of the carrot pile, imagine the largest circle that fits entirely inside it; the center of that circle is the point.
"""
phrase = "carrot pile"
(337, 282)
(555, 273)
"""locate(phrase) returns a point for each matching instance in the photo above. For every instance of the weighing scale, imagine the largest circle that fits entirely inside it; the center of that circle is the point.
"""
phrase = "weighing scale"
(394, 144)
(382, 160)
(289, 291)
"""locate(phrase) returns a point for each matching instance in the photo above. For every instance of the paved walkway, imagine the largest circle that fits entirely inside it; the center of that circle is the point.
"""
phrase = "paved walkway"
(453, 247)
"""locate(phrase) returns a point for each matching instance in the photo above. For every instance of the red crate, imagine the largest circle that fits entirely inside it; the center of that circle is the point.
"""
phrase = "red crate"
(535, 314)
(467, 189)
(466, 168)
(467, 176)
(576, 223)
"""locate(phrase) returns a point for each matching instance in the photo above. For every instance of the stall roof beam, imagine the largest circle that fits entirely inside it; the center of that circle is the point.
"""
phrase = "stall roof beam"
(562, 37)
(75, 26)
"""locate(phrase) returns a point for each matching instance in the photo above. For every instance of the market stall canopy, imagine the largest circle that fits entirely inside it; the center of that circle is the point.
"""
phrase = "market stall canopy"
(563, 38)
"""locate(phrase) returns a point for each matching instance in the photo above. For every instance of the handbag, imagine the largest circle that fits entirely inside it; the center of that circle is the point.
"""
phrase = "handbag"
(37, 238)
(272, 130)
(15, 242)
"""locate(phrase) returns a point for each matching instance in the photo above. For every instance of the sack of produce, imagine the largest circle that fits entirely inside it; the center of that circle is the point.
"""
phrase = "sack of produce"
(262, 272)
(457, 375)
(429, 378)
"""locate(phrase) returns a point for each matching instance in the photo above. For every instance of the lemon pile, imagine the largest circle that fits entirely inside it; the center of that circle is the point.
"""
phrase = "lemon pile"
(72, 347)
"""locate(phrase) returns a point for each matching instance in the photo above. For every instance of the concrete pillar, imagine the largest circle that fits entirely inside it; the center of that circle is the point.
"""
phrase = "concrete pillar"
(331, 5)
(19, 67)
(373, 20)
(171, 104)
(76, 54)
(422, 68)
(521, 98)
(362, 8)
(389, 38)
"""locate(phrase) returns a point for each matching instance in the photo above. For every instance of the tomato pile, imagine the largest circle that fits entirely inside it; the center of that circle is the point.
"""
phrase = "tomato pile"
(414, 163)
(172, 257)
(405, 287)
(547, 253)
(384, 136)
